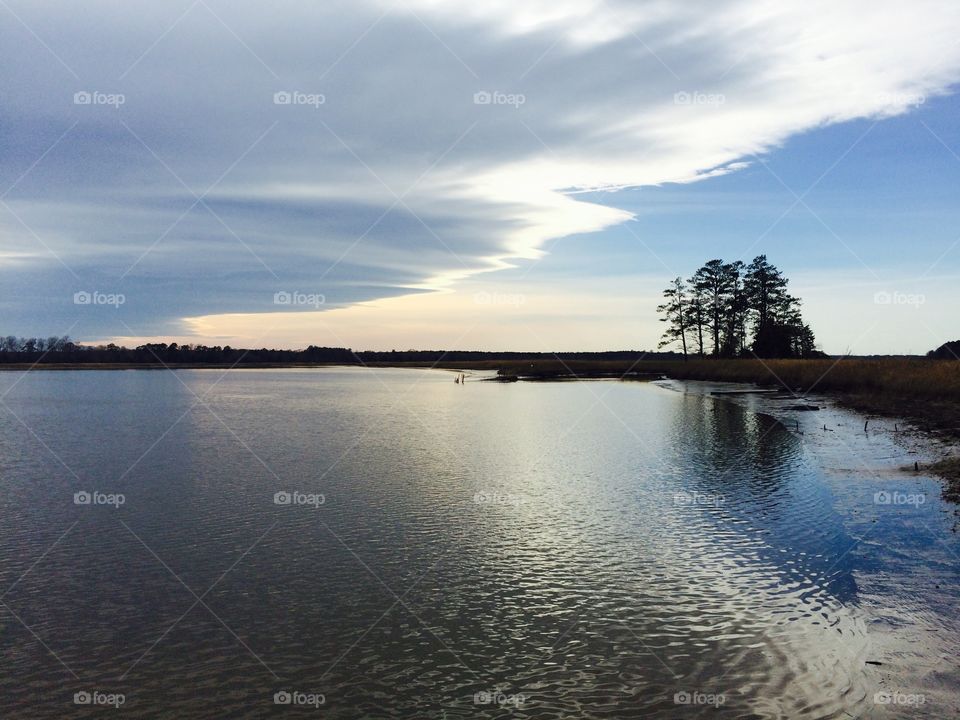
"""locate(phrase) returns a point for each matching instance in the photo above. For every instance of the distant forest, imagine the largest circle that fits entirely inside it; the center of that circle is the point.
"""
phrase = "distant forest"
(736, 310)
(62, 350)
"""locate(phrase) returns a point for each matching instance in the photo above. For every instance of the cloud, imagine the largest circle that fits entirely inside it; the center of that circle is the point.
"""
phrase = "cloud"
(414, 145)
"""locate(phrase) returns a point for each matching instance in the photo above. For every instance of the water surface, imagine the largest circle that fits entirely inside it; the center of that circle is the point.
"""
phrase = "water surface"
(581, 550)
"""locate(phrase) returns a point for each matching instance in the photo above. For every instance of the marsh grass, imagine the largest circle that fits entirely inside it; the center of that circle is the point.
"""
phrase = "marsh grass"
(918, 378)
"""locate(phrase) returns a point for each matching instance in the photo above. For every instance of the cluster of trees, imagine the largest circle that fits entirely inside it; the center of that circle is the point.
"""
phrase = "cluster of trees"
(947, 351)
(734, 310)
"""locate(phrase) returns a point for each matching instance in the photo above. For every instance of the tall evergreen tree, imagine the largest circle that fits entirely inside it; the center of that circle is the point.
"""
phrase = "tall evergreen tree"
(806, 342)
(712, 281)
(735, 327)
(674, 311)
(765, 288)
(696, 315)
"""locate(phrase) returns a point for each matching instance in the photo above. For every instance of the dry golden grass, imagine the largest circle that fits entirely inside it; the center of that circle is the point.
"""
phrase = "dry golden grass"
(936, 379)
(917, 378)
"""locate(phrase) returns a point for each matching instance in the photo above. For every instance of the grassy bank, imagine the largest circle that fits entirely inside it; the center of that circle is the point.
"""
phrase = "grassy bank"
(917, 376)
(919, 379)
(926, 390)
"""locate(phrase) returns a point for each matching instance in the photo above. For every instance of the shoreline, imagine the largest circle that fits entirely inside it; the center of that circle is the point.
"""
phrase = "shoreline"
(891, 390)
(889, 447)
(865, 387)
(883, 505)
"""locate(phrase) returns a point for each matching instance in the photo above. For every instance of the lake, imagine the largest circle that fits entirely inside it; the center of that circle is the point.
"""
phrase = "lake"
(352, 543)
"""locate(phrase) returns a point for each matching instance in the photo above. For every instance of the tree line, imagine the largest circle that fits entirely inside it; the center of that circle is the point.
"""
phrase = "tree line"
(736, 310)
(63, 350)
(55, 349)
(54, 343)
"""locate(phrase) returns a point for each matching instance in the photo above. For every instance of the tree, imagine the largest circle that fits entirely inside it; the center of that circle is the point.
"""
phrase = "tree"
(779, 329)
(735, 328)
(712, 280)
(806, 342)
(773, 340)
(948, 351)
(765, 288)
(674, 312)
(696, 315)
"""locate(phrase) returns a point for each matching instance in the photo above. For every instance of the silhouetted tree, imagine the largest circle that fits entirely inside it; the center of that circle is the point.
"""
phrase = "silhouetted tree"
(696, 315)
(674, 314)
(735, 329)
(766, 290)
(948, 351)
(712, 280)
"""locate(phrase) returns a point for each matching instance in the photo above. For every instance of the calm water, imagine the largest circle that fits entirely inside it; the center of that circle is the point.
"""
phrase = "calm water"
(567, 550)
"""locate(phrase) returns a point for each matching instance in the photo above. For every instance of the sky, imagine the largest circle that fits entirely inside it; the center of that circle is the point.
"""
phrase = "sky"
(495, 176)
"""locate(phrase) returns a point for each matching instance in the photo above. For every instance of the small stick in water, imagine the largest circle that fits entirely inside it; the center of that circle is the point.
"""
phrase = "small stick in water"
(865, 425)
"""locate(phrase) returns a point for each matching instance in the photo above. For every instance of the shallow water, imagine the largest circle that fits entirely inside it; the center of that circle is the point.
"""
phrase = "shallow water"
(596, 550)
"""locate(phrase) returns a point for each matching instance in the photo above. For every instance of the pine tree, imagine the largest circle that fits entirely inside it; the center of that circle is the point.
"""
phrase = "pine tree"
(696, 315)
(734, 332)
(712, 280)
(674, 314)
(766, 290)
